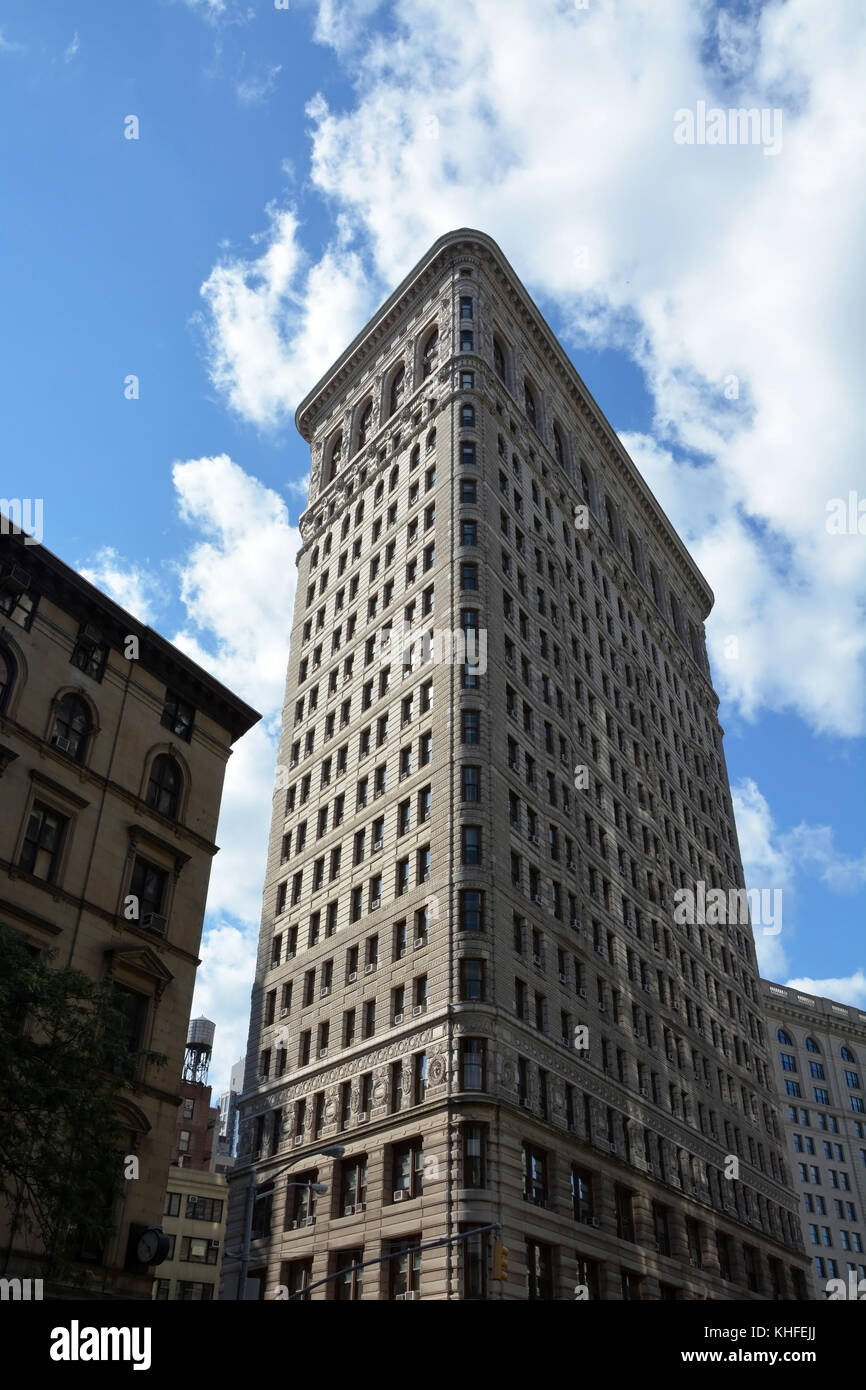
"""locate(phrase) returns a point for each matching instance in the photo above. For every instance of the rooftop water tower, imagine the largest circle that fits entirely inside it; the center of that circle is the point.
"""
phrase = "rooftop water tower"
(199, 1046)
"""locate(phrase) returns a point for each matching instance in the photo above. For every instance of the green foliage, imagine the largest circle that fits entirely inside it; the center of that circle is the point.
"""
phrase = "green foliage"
(64, 1059)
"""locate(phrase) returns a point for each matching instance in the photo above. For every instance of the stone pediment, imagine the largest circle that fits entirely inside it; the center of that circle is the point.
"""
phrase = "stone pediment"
(142, 959)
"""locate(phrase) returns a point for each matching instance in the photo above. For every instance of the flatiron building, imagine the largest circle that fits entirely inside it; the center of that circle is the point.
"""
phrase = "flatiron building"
(500, 759)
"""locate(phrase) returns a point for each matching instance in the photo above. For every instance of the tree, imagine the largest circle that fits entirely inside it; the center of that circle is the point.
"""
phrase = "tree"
(64, 1059)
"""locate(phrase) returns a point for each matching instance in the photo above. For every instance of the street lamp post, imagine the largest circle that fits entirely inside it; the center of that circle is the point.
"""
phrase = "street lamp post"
(254, 1195)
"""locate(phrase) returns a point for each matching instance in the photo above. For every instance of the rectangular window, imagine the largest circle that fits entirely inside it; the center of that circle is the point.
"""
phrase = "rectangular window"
(178, 716)
(404, 1267)
(474, 1155)
(43, 841)
(539, 1270)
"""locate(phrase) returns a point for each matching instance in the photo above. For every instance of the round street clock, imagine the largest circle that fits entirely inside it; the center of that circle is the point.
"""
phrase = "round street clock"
(148, 1246)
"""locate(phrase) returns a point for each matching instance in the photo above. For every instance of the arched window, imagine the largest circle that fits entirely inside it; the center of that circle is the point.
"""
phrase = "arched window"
(398, 384)
(7, 676)
(811, 1045)
(847, 1054)
(529, 404)
(467, 415)
(558, 450)
(609, 519)
(415, 457)
(499, 359)
(335, 456)
(431, 440)
(365, 423)
(72, 725)
(783, 1038)
(394, 479)
(164, 786)
(430, 354)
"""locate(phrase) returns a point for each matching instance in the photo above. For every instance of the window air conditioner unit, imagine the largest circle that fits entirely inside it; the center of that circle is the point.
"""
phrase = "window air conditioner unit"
(563, 977)
(644, 1092)
(283, 1013)
(368, 969)
(16, 580)
(377, 844)
(399, 1195)
(358, 1208)
(324, 991)
(418, 1009)
(572, 864)
(533, 839)
(323, 1052)
(362, 1117)
(582, 993)
(214, 1244)
(398, 1018)
(410, 1296)
(524, 1101)
(419, 942)
(153, 921)
(537, 898)
(298, 1139)
(63, 744)
(671, 1057)
(586, 933)
(647, 988)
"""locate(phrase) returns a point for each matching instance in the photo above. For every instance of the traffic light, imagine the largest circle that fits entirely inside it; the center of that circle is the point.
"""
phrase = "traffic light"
(500, 1260)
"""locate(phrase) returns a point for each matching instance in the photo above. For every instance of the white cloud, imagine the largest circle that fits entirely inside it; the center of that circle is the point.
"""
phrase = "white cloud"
(814, 844)
(222, 994)
(257, 87)
(210, 9)
(773, 858)
(276, 322)
(694, 267)
(299, 486)
(849, 989)
(10, 45)
(132, 586)
(238, 586)
(765, 866)
(72, 48)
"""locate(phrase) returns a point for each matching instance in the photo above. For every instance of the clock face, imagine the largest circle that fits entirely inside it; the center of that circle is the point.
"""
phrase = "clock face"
(147, 1248)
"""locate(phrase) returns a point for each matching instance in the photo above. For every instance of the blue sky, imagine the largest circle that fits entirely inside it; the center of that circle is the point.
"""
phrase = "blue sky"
(291, 166)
